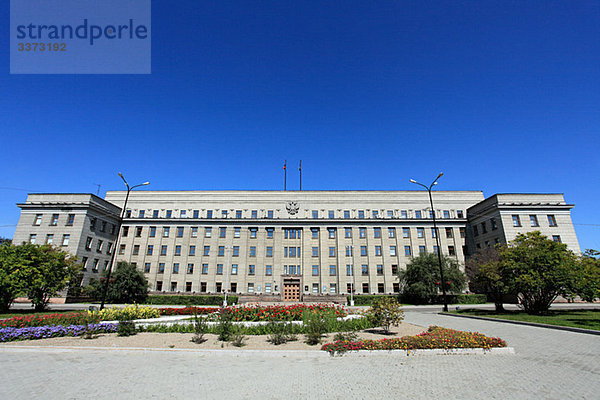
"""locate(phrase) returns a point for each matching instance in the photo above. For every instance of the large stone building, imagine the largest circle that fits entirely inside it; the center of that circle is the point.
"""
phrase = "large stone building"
(285, 244)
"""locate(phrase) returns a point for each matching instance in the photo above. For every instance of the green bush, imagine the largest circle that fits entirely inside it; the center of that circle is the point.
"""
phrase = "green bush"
(225, 327)
(369, 299)
(126, 328)
(127, 285)
(471, 299)
(125, 313)
(189, 300)
(385, 312)
(318, 323)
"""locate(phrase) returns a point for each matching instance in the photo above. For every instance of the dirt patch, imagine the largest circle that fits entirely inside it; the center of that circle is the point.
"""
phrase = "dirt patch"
(183, 340)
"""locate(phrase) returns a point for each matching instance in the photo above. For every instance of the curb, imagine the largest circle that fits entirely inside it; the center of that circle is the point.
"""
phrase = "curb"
(534, 324)
(270, 353)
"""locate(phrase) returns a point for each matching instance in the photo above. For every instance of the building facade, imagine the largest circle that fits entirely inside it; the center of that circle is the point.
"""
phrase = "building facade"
(288, 244)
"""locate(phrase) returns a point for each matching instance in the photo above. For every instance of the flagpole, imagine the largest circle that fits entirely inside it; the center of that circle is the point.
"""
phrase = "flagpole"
(300, 169)
(285, 175)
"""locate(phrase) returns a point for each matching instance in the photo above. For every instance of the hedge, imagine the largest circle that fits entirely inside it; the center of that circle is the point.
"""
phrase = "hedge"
(368, 299)
(189, 300)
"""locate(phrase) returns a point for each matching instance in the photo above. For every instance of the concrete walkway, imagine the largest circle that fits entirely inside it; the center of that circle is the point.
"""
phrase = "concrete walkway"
(548, 364)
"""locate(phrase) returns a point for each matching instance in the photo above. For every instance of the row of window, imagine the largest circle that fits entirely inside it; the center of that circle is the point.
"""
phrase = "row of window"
(288, 269)
(268, 287)
(54, 220)
(288, 251)
(288, 233)
(50, 239)
(516, 221)
(315, 214)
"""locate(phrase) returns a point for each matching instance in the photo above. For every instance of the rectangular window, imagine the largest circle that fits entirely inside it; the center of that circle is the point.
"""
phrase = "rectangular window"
(204, 269)
(435, 249)
(190, 269)
(250, 287)
(65, 240)
(268, 272)
(394, 269)
(95, 266)
(364, 269)
(166, 231)
(331, 233)
(54, 220)
(449, 233)
(315, 233)
(556, 238)
(70, 219)
(196, 214)
(403, 214)
(516, 221)
(237, 232)
(315, 252)
(32, 238)
(393, 251)
(251, 269)
(188, 286)
(234, 269)
(206, 250)
(451, 251)
(362, 233)
(331, 214)
(269, 252)
(380, 288)
(315, 214)
(433, 233)
(125, 231)
(209, 214)
(93, 224)
(270, 214)
(446, 214)
(420, 233)
(88, 243)
(348, 270)
(152, 231)
(431, 214)
(219, 269)
(332, 252)
(194, 231)
(182, 213)
(348, 233)
(159, 286)
(253, 232)
(161, 268)
(223, 213)
(418, 214)
(406, 233)
(375, 214)
(483, 227)
(270, 232)
(176, 268)
(363, 251)
(109, 247)
(192, 250)
(377, 232)
(102, 226)
(149, 250)
(252, 251)
(155, 214)
(238, 214)
(332, 288)
(267, 288)
(495, 224)
(208, 232)
(552, 221)
(203, 287)
(346, 214)
(49, 239)
(390, 213)
(475, 230)
(391, 233)
(163, 250)
(147, 268)
(361, 214)
(221, 252)
(459, 214)
(315, 288)
(138, 231)
(407, 252)
(421, 250)
(379, 269)
(378, 250)
(136, 249)
(463, 232)
(173, 286)
(222, 232)
(178, 250)
(236, 251)
(315, 270)
(254, 214)
(169, 214)
(332, 270)
(179, 231)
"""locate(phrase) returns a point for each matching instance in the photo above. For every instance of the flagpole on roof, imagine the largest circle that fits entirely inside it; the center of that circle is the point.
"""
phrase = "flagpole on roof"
(300, 169)
(285, 175)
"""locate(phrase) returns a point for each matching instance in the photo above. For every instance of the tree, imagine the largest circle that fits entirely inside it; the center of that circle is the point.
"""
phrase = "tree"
(385, 312)
(538, 270)
(421, 279)
(5, 240)
(587, 283)
(483, 271)
(127, 285)
(9, 282)
(41, 272)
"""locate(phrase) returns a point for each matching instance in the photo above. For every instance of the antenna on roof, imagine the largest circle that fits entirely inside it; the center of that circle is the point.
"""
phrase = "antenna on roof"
(98, 191)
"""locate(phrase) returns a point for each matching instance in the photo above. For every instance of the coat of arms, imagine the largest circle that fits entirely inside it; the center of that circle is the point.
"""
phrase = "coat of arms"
(292, 207)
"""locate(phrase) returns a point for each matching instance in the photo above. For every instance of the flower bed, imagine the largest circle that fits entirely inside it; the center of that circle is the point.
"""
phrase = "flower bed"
(49, 319)
(259, 313)
(435, 338)
(42, 332)
(130, 312)
(187, 311)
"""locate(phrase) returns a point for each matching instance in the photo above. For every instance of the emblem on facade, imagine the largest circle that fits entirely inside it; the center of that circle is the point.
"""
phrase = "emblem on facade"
(292, 207)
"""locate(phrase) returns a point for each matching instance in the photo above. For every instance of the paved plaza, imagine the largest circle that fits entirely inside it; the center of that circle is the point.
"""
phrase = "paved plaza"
(548, 364)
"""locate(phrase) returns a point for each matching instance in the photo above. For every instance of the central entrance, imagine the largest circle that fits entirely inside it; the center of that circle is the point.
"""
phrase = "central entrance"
(291, 289)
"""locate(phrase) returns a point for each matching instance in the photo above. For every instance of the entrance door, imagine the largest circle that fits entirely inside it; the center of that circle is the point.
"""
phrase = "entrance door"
(291, 291)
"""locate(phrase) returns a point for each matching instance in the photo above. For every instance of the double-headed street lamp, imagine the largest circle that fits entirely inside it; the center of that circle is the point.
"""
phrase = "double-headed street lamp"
(116, 246)
(437, 234)
(228, 266)
(350, 249)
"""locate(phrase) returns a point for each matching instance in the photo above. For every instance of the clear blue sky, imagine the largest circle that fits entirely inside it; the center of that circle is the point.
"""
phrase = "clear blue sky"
(501, 96)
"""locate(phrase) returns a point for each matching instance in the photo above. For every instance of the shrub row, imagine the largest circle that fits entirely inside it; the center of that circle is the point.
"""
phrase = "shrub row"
(126, 313)
(189, 300)
(187, 311)
(42, 332)
(435, 338)
(26, 321)
(369, 299)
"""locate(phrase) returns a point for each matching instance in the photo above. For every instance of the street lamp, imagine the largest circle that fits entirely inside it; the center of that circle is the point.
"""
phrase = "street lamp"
(116, 246)
(351, 248)
(228, 266)
(437, 235)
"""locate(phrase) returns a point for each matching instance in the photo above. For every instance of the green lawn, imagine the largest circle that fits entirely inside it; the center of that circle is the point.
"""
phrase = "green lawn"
(20, 313)
(586, 319)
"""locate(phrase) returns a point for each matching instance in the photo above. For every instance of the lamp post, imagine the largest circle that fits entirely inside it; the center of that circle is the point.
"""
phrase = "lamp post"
(437, 235)
(351, 248)
(114, 251)
(228, 266)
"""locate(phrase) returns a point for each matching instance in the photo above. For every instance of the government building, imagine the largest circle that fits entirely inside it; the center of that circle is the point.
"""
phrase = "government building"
(282, 245)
